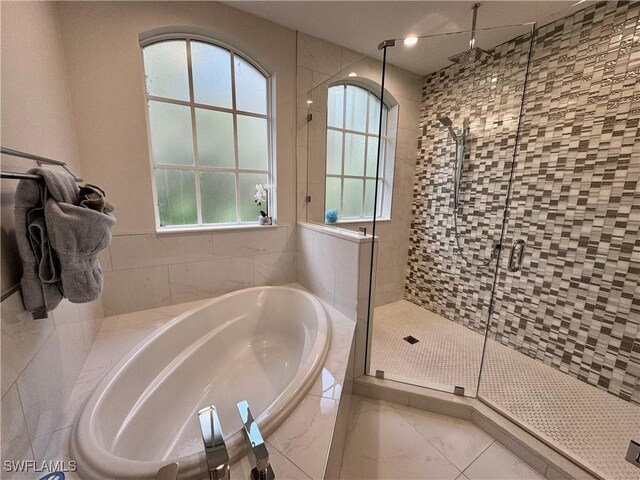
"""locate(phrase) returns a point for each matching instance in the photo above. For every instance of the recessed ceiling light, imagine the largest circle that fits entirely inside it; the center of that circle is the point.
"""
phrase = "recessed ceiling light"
(410, 41)
(353, 74)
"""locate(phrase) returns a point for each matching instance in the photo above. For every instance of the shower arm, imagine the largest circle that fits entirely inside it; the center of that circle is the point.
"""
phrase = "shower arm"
(472, 42)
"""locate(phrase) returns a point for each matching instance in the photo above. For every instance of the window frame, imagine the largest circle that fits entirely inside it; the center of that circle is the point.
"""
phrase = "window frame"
(188, 38)
(384, 188)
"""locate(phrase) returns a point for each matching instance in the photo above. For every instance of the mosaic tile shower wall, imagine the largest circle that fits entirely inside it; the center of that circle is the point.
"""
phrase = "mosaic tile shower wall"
(489, 97)
(575, 305)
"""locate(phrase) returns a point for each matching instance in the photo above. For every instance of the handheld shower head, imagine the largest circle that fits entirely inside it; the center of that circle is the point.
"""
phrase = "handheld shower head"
(446, 122)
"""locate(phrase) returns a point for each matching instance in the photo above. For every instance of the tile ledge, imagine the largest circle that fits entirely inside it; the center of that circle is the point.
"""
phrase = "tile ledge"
(338, 232)
(226, 228)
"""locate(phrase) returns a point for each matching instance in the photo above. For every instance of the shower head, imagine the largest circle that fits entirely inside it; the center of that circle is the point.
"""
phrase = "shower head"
(474, 54)
(446, 122)
(470, 57)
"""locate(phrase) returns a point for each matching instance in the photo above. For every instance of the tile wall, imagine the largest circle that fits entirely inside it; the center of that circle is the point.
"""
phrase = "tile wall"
(41, 361)
(334, 264)
(438, 278)
(165, 269)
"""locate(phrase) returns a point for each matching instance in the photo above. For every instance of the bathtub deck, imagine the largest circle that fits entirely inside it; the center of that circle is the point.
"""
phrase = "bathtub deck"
(298, 448)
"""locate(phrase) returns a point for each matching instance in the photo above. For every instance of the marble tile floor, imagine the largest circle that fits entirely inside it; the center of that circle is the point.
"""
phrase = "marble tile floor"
(390, 441)
(588, 424)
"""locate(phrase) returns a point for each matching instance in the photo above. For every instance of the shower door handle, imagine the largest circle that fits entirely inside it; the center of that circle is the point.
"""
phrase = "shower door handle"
(517, 255)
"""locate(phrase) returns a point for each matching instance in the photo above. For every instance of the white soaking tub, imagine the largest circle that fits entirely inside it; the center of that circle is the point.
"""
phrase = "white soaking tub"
(265, 345)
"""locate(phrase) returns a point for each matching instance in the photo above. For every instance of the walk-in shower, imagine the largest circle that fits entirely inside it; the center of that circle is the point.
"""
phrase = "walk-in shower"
(526, 154)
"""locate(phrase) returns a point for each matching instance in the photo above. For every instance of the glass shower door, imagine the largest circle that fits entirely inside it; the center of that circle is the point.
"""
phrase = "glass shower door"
(562, 348)
(436, 262)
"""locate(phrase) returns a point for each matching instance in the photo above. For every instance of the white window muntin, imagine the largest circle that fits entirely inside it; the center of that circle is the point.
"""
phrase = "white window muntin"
(234, 111)
(384, 138)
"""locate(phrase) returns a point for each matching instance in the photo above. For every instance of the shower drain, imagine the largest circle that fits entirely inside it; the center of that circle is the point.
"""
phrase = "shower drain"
(411, 339)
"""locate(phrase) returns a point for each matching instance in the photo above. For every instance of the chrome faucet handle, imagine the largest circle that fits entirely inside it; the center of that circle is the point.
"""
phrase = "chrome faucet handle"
(168, 472)
(262, 469)
(214, 446)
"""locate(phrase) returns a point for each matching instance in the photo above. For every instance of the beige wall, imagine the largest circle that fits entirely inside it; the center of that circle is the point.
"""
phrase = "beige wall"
(321, 61)
(102, 50)
(36, 107)
(40, 359)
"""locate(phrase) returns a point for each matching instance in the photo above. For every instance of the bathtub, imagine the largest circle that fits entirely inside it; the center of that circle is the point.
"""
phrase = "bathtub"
(265, 345)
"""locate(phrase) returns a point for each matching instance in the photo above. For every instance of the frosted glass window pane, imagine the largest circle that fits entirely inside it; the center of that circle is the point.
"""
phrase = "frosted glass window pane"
(369, 195)
(176, 191)
(335, 107)
(334, 193)
(211, 67)
(374, 114)
(165, 69)
(215, 138)
(253, 143)
(171, 137)
(249, 210)
(218, 193)
(356, 109)
(372, 157)
(334, 152)
(352, 198)
(385, 117)
(354, 154)
(251, 87)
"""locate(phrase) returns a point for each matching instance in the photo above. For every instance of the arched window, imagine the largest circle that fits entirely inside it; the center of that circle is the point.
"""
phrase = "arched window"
(209, 112)
(353, 119)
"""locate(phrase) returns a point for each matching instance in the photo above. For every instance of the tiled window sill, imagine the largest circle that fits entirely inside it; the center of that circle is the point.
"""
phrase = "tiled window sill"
(357, 221)
(212, 228)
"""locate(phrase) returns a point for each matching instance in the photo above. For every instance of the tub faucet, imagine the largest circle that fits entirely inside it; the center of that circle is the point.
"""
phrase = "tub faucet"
(262, 469)
(214, 446)
(168, 472)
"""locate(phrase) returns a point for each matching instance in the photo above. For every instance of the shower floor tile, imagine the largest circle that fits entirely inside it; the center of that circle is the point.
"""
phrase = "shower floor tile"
(431, 361)
(588, 424)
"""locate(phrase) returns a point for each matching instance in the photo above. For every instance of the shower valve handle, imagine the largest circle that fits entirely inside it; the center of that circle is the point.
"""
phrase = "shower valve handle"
(517, 255)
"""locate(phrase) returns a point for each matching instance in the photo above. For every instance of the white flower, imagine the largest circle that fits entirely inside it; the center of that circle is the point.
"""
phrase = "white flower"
(261, 192)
